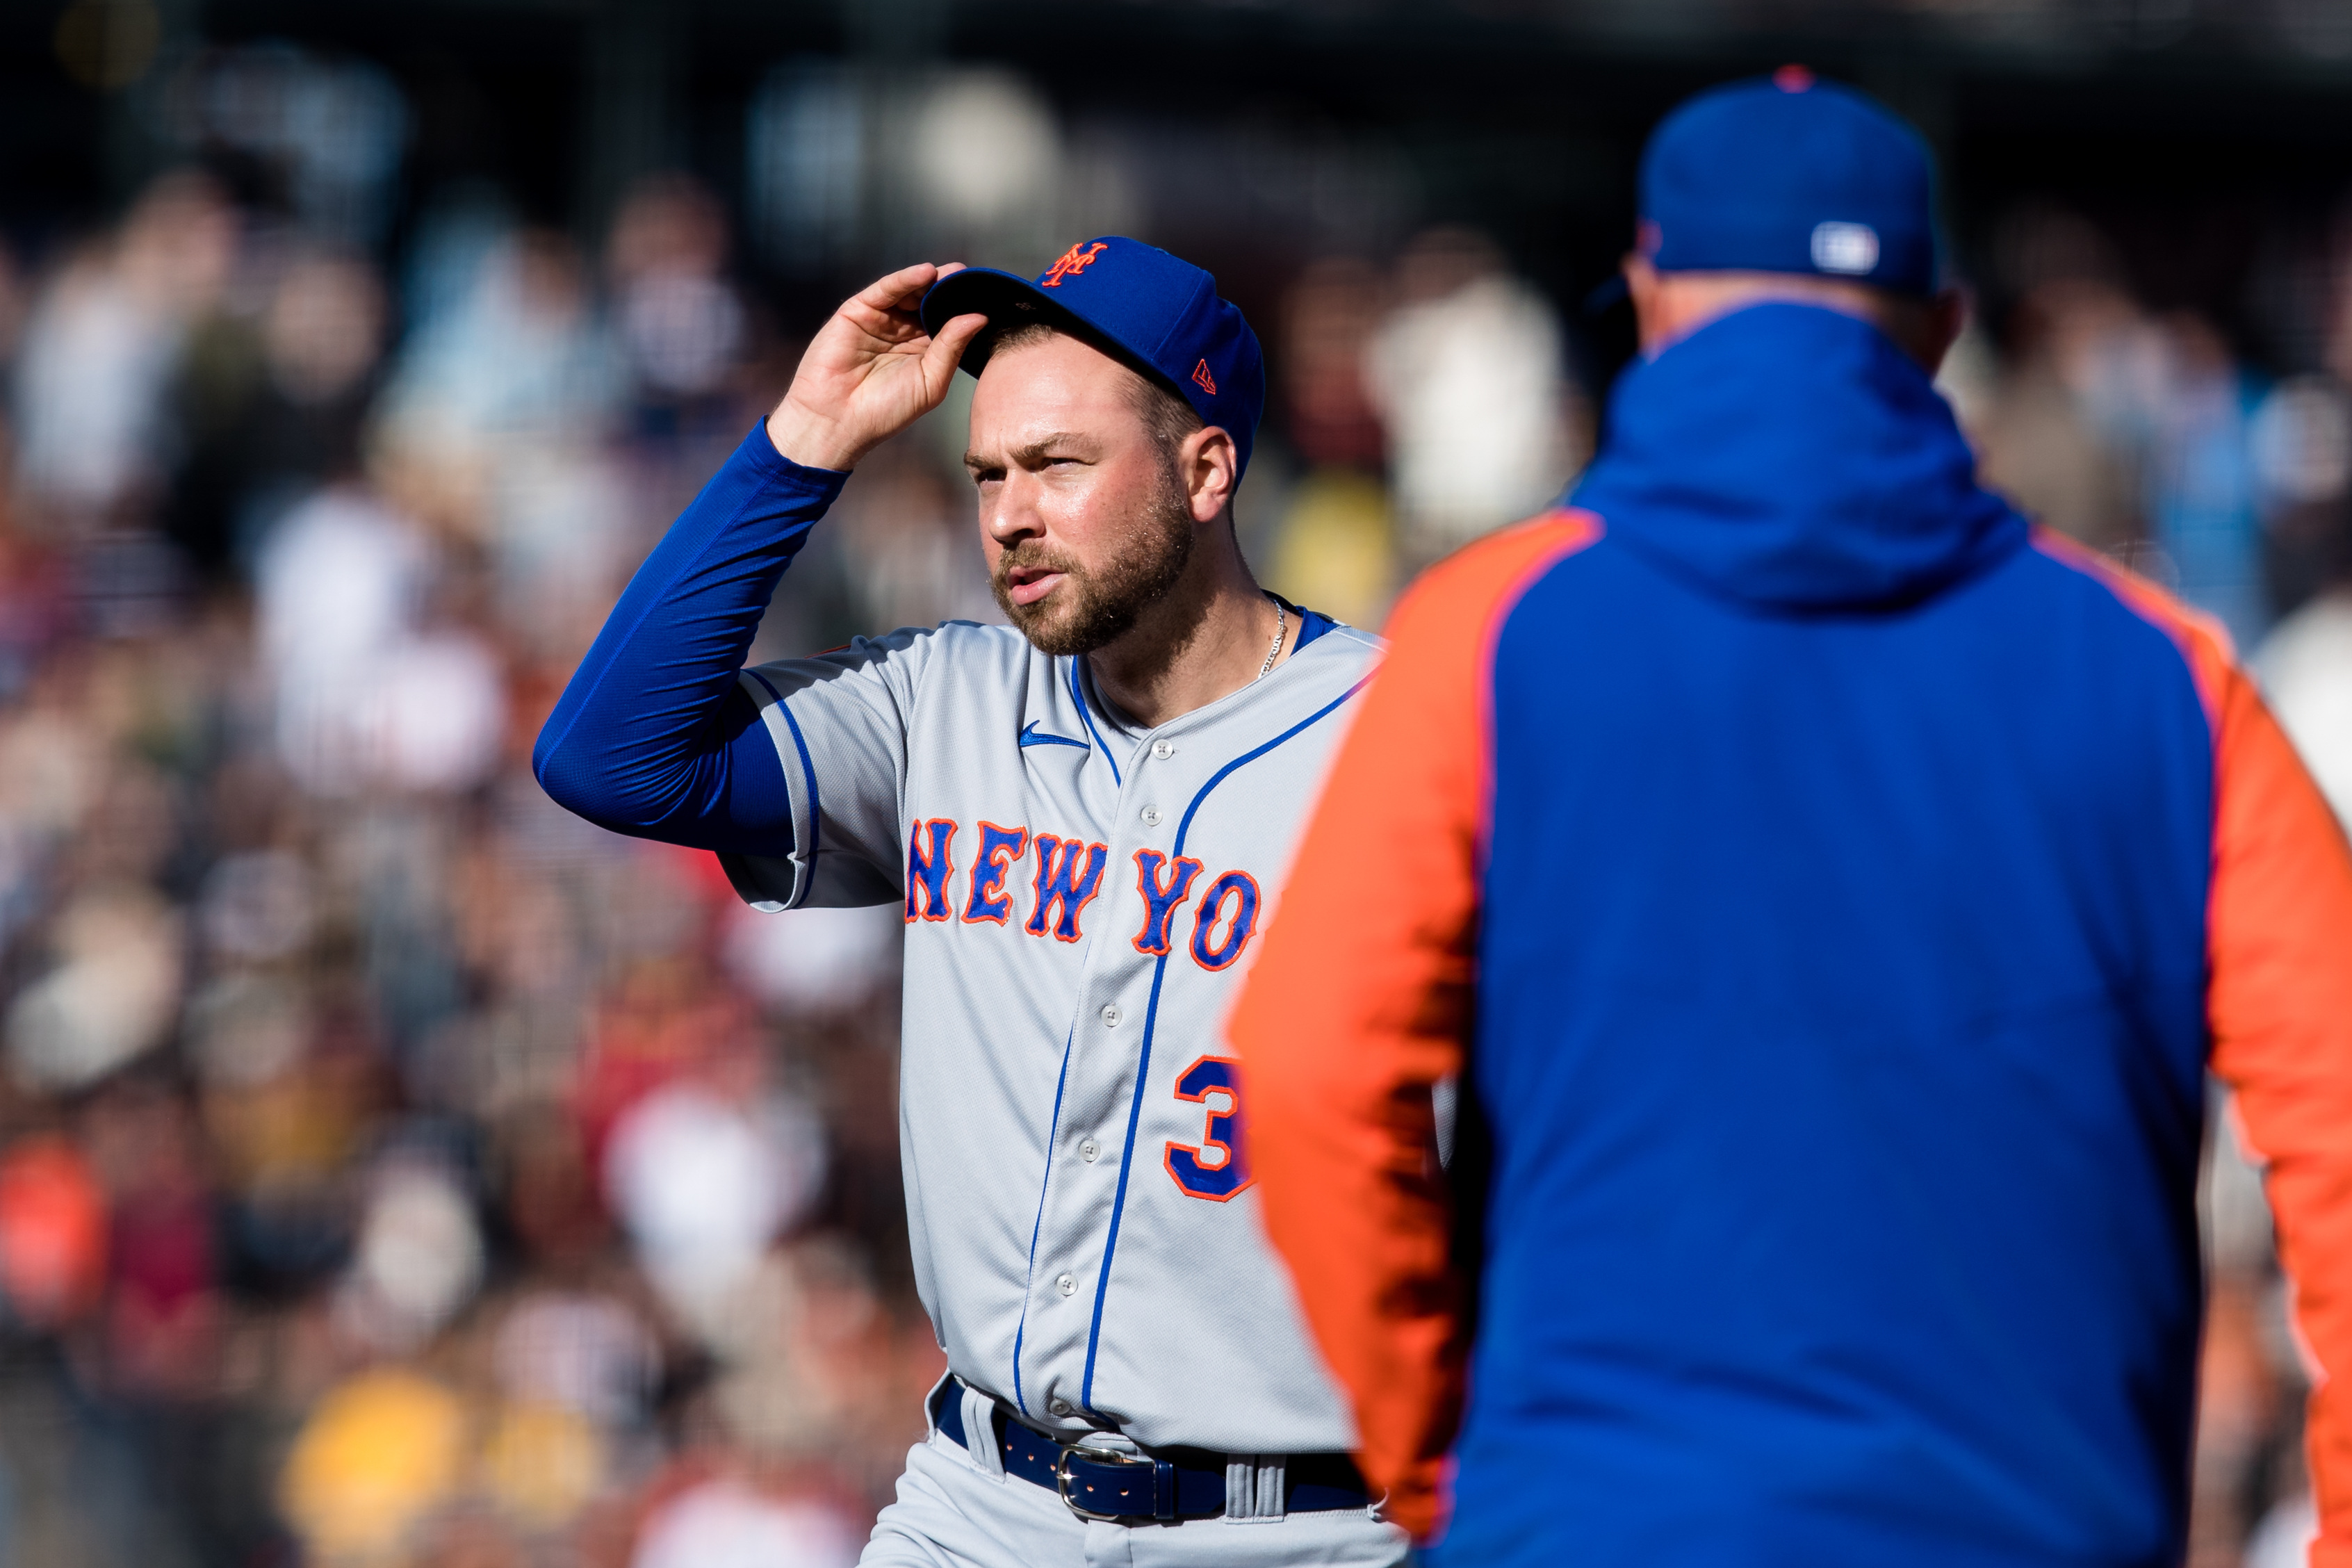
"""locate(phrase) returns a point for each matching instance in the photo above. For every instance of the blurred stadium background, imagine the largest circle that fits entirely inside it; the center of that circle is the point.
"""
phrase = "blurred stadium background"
(393, 1169)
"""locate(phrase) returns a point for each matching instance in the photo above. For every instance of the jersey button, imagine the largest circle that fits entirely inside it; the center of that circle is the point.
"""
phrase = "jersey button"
(1150, 817)
(1112, 1015)
(1088, 1150)
(1061, 1407)
(1163, 749)
(1068, 1285)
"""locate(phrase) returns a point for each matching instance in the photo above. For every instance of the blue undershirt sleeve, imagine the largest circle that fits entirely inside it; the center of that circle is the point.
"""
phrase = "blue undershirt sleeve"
(654, 736)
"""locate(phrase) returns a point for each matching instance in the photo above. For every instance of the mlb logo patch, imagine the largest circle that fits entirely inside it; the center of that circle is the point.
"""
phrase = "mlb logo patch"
(1849, 249)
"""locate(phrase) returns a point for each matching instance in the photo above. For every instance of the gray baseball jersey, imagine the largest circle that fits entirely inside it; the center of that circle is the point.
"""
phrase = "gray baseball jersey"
(1082, 898)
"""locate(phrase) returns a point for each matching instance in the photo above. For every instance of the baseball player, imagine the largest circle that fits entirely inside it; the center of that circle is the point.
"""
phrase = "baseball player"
(1083, 816)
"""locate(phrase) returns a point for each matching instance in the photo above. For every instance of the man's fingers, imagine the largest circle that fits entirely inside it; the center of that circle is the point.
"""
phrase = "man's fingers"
(882, 309)
(884, 293)
(893, 293)
(886, 309)
(946, 347)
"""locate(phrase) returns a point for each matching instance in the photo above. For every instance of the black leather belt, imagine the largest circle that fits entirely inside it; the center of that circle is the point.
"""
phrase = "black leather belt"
(1174, 1484)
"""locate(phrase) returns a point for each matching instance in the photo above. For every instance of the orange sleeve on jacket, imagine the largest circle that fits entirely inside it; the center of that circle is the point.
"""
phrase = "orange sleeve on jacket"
(1360, 1001)
(2279, 1003)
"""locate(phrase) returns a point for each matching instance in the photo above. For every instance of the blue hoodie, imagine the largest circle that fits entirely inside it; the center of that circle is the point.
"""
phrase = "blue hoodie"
(1845, 486)
(1847, 1111)
(1829, 857)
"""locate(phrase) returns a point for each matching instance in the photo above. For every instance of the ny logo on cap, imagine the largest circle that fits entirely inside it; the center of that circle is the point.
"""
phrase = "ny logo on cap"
(1073, 262)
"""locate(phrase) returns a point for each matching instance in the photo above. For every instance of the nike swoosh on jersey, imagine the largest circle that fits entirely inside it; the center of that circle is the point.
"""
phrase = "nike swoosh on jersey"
(1029, 737)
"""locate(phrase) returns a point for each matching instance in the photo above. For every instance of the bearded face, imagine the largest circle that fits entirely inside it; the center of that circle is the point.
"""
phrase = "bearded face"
(1087, 512)
(1095, 604)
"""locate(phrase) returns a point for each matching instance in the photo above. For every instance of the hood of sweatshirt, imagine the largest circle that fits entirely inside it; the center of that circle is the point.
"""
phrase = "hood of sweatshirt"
(1792, 457)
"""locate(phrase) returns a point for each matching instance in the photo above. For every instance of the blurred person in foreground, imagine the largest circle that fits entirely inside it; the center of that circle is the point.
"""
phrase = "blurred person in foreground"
(1832, 892)
(1082, 816)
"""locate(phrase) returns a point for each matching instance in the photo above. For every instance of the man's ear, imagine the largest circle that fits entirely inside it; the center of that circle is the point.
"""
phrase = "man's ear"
(1210, 468)
(1947, 316)
(1642, 288)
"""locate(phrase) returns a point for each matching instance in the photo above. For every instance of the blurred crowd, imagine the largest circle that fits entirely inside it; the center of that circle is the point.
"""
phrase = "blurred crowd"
(391, 1166)
(394, 1168)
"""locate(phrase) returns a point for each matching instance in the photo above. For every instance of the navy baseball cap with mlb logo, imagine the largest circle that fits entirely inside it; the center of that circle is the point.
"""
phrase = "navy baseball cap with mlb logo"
(1160, 314)
(1791, 173)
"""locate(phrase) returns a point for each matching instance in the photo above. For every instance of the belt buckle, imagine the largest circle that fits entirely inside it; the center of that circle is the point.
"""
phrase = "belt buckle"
(1111, 1456)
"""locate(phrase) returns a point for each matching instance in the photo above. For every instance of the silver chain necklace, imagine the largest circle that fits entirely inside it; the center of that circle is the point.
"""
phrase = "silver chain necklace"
(1281, 629)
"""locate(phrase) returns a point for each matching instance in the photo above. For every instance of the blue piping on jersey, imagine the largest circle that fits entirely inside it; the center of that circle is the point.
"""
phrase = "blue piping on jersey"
(1150, 1023)
(1088, 714)
(1020, 1331)
(808, 772)
(1029, 737)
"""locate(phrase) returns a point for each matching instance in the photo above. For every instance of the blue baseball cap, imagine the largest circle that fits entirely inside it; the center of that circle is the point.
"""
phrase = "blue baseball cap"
(1160, 314)
(1790, 173)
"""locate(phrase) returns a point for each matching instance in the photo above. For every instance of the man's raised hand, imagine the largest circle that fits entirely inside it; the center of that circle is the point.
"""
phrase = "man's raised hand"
(870, 371)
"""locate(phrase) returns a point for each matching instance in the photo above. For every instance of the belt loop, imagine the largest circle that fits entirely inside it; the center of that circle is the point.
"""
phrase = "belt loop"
(1253, 1486)
(1273, 1485)
(1163, 1492)
(979, 1424)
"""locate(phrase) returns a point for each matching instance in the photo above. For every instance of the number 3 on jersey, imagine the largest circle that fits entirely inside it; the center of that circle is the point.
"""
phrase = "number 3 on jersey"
(1217, 1168)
